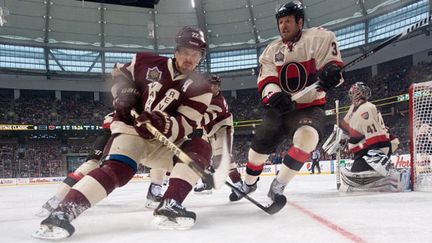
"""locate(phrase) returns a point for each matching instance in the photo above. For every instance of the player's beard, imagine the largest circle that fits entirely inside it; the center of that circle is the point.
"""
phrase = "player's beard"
(289, 36)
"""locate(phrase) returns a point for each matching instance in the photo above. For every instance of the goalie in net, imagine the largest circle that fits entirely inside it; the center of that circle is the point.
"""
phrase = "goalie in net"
(368, 139)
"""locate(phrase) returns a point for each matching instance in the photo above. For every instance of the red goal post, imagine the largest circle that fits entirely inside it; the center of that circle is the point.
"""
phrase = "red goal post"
(420, 109)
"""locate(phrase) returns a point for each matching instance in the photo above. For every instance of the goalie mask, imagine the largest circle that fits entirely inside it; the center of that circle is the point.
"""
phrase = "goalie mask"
(358, 92)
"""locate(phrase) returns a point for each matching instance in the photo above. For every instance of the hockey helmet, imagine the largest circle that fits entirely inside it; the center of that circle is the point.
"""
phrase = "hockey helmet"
(294, 8)
(359, 91)
(191, 37)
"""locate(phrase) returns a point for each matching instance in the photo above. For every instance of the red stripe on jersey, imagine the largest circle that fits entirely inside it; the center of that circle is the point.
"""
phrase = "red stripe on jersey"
(353, 133)
(314, 103)
(369, 142)
(106, 125)
(309, 65)
(76, 176)
(298, 154)
(267, 80)
(254, 166)
(344, 126)
(376, 139)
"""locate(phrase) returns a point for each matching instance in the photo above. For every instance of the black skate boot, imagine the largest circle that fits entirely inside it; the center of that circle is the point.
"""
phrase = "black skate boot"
(172, 215)
(203, 188)
(154, 196)
(56, 227)
(242, 186)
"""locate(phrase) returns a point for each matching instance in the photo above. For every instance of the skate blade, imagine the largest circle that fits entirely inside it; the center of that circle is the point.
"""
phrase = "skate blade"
(205, 192)
(151, 204)
(162, 222)
(50, 233)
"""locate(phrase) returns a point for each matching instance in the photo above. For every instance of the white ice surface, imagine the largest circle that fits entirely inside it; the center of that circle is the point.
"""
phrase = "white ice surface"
(315, 213)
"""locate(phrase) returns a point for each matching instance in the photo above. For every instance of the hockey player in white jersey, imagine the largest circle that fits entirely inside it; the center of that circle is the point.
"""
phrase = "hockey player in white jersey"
(288, 65)
(371, 143)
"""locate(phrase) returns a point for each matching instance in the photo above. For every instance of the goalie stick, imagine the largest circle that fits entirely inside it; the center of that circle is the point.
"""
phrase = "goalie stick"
(389, 41)
(338, 157)
(215, 180)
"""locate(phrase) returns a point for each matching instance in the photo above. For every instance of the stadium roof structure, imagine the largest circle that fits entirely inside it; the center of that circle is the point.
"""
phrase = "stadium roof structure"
(229, 24)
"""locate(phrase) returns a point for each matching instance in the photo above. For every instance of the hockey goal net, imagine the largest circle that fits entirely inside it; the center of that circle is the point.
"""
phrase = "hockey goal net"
(420, 107)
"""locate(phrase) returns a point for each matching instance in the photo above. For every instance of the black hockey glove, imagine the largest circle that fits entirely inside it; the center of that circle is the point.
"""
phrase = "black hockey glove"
(128, 97)
(281, 101)
(330, 76)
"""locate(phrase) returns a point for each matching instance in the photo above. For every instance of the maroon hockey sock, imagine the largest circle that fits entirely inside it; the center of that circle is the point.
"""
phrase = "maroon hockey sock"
(178, 190)
(234, 175)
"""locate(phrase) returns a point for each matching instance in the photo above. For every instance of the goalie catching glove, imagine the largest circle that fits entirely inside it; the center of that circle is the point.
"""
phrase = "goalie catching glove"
(335, 142)
(160, 120)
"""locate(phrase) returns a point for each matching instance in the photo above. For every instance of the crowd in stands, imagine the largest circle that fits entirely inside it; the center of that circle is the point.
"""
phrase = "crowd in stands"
(42, 158)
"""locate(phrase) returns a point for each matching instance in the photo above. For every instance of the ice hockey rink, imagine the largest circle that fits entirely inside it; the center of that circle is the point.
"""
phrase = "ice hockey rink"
(315, 212)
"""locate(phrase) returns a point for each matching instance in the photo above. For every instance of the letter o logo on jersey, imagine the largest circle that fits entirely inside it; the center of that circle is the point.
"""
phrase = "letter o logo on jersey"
(293, 77)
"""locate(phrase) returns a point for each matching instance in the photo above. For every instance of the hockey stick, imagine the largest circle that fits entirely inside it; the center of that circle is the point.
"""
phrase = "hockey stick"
(271, 209)
(337, 162)
(206, 176)
(216, 183)
(389, 41)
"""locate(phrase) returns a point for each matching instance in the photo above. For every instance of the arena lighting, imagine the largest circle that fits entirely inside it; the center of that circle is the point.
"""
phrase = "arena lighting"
(131, 3)
(193, 3)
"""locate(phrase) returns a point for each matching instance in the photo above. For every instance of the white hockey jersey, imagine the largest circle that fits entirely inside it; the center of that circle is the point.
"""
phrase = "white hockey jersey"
(365, 127)
(291, 68)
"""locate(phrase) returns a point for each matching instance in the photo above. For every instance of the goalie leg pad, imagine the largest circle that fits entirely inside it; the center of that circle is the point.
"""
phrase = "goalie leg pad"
(370, 181)
(378, 160)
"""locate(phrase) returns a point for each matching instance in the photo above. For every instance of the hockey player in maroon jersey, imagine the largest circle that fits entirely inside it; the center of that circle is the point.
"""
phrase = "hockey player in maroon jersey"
(288, 65)
(218, 126)
(371, 143)
(173, 97)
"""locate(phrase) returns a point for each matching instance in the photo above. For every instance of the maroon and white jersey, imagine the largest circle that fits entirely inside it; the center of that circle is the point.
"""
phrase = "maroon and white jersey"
(184, 98)
(292, 67)
(216, 116)
(365, 127)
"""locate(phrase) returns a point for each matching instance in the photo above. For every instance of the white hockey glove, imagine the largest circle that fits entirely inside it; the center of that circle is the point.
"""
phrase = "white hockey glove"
(335, 142)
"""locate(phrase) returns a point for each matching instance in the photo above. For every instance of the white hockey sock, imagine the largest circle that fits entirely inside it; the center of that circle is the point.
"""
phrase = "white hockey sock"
(285, 175)
(62, 191)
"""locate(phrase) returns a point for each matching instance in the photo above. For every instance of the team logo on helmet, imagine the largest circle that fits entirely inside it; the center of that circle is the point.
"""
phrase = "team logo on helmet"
(153, 74)
(293, 77)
